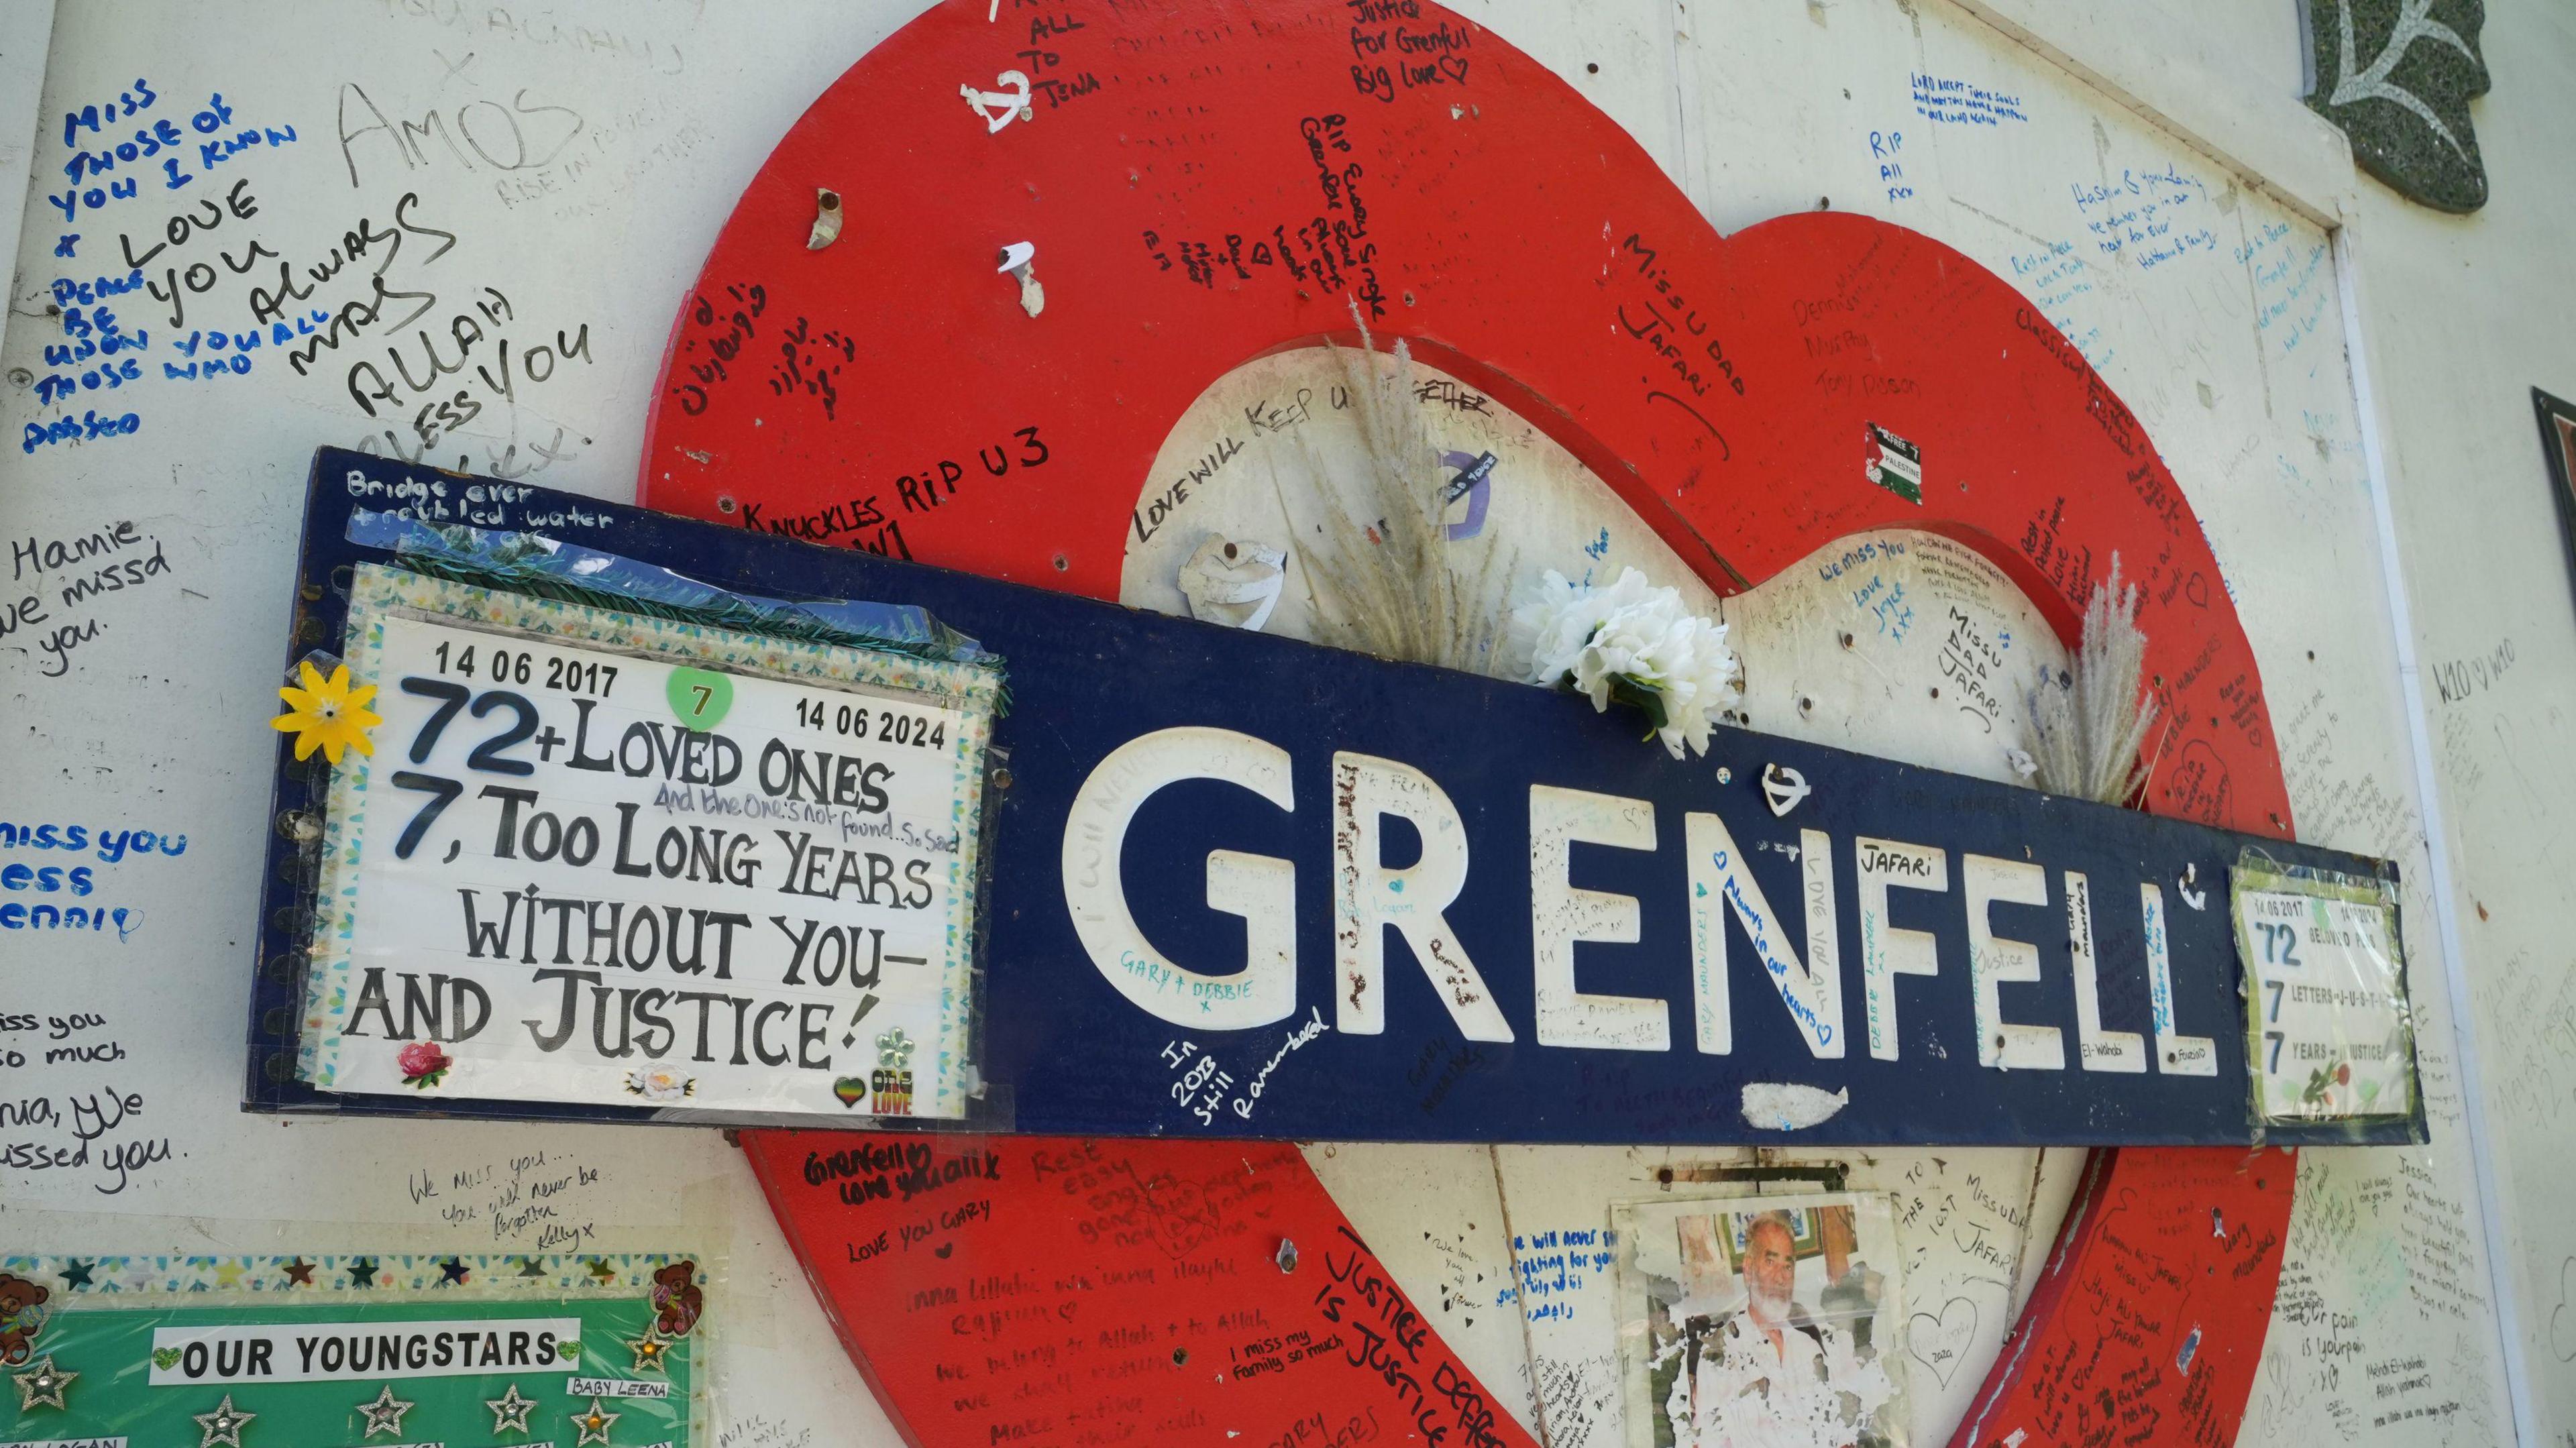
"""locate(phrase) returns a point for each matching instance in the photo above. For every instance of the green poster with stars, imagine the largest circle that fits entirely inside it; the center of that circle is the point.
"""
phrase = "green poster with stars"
(351, 1351)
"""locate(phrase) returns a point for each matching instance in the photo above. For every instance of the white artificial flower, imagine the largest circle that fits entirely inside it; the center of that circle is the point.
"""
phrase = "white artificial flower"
(661, 1083)
(1586, 637)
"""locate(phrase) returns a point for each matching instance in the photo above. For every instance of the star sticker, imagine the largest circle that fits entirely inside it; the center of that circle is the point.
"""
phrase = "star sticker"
(299, 1273)
(606, 1274)
(76, 1273)
(510, 1411)
(228, 1274)
(223, 1425)
(362, 1273)
(528, 1268)
(452, 1271)
(651, 1350)
(385, 1414)
(43, 1384)
(593, 1424)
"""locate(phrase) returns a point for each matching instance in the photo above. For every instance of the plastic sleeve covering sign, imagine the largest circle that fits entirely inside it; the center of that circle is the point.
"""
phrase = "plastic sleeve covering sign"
(611, 858)
(2329, 1036)
(1149, 1293)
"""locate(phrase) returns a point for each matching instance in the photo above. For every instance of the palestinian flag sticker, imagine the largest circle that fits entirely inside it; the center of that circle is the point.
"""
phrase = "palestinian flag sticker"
(1893, 464)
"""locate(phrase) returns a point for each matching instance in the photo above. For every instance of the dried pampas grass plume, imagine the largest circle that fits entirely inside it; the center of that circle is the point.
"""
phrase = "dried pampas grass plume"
(2088, 728)
(1384, 564)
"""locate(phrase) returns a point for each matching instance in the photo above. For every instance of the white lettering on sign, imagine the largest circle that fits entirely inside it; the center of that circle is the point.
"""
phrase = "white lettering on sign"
(346, 1351)
(1260, 888)
(1811, 989)
(1994, 960)
(2176, 1055)
(2099, 1049)
(1368, 897)
(1886, 951)
(693, 869)
(1561, 916)
(1415, 900)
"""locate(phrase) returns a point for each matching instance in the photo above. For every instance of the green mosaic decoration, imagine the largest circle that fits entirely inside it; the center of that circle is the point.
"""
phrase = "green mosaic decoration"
(2396, 76)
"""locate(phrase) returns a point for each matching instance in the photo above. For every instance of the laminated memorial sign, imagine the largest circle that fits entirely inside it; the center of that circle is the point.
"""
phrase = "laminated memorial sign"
(2329, 1035)
(609, 857)
(1237, 886)
(277, 1352)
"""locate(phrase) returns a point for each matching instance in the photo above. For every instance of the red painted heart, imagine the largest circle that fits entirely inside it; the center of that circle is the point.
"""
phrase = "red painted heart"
(1203, 189)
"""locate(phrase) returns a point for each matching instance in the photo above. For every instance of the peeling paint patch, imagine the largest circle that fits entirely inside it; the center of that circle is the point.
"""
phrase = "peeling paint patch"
(1786, 1106)
(827, 219)
(1016, 259)
(1232, 583)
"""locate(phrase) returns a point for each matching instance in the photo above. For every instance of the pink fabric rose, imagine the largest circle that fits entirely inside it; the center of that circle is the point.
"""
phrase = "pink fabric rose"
(423, 1063)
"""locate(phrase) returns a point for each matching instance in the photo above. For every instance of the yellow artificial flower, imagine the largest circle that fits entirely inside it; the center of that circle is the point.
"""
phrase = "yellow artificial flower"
(328, 714)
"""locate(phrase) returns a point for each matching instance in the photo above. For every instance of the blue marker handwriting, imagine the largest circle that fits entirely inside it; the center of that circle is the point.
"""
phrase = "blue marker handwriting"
(2289, 303)
(2054, 275)
(1887, 604)
(150, 142)
(111, 846)
(1957, 103)
(88, 427)
(1554, 1265)
(74, 881)
(1887, 149)
(2136, 214)
(1853, 558)
(99, 351)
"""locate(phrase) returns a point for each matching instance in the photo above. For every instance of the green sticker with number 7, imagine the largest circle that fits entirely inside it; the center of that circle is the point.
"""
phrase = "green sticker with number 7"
(700, 697)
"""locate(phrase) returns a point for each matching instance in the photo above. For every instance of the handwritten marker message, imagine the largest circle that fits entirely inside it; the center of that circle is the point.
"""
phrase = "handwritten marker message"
(689, 870)
(1024, 1290)
(614, 1388)
(2331, 1030)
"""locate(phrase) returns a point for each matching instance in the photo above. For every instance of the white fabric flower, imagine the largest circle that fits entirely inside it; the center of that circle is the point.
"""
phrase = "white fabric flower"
(1588, 638)
(661, 1083)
